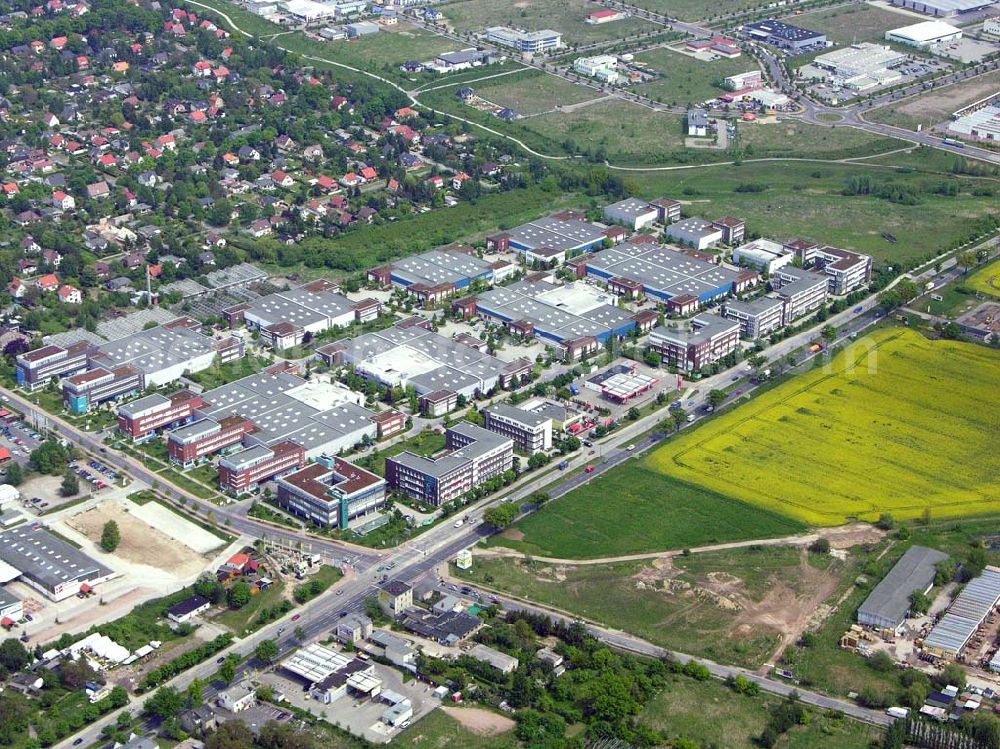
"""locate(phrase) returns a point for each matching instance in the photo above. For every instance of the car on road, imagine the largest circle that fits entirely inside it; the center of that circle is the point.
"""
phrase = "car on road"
(80, 740)
(296, 617)
(459, 523)
(859, 309)
(630, 448)
(221, 660)
(340, 592)
(589, 469)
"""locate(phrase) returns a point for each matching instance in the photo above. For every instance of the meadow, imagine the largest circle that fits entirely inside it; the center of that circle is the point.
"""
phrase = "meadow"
(685, 80)
(986, 280)
(645, 512)
(529, 94)
(851, 24)
(884, 428)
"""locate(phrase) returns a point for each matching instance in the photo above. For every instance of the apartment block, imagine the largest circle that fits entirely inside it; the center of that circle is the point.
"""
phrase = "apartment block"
(35, 368)
(695, 343)
(194, 442)
(141, 418)
(800, 291)
(332, 495)
(756, 318)
(531, 432)
(242, 472)
(845, 270)
(473, 456)
(84, 391)
(733, 229)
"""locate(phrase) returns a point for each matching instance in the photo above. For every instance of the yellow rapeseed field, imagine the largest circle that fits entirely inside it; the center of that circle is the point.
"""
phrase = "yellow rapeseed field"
(917, 431)
(986, 280)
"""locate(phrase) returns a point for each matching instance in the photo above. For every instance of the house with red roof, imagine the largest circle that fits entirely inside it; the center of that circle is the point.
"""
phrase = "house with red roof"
(70, 294)
(368, 174)
(63, 201)
(11, 189)
(281, 179)
(17, 288)
(48, 282)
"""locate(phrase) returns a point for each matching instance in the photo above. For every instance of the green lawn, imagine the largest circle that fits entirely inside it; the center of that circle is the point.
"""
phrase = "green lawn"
(763, 140)
(195, 487)
(720, 605)
(440, 731)
(630, 510)
(218, 375)
(248, 618)
(985, 280)
(936, 106)
(530, 94)
(685, 80)
(566, 16)
(425, 443)
(247, 21)
(849, 24)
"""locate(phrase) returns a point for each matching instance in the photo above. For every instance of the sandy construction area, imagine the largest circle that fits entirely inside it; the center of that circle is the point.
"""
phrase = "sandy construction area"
(480, 722)
(141, 543)
(173, 525)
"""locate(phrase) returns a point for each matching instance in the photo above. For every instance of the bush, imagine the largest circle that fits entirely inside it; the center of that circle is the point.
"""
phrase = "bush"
(820, 546)
(110, 536)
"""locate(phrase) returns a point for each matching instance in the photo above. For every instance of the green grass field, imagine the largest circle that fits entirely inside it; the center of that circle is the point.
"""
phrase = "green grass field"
(566, 16)
(986, 280)
(934, 107)
(440, 731)
(880, 430)
(767, 140)
(686, 80)
(696, 10)
(851, 23)
(631, 510)
(723, 605)
(388, 49)
(531, 94)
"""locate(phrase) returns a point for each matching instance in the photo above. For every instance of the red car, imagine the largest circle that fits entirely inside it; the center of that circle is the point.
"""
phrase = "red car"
(590, 469)
(296, 617)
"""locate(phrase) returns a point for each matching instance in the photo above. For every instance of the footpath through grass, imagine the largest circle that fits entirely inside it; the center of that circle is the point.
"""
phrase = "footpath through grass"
(632, 509)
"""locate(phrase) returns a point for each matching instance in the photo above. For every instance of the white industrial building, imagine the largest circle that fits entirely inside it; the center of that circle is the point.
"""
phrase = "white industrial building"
(602, 67)
(632, 213)
(763, 254)
(924, 34)
(858, 67)
(308, 11)
(991, 26)
(943, 8)
(983, 124)
(544, 40)
(696, 232)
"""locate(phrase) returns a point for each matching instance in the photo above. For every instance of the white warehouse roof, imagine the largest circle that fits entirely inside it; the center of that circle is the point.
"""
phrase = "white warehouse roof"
(923, 32)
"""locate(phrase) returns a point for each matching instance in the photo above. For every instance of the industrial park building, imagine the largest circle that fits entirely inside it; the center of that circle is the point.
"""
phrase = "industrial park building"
(545, 40)
(925, 34)
(531, 432)
(763, 255)
(140, 419)
(242, 472)
(846, 270)
(684, 281)
(785, 36)
(196, 441)
(409, 354)
(33, 555)
(800, 291)
(943, 8)
(439, 274)
(473, 456)
(332, 493)
(696, 343)
(756, 318)
(566, 232)
(887, 606)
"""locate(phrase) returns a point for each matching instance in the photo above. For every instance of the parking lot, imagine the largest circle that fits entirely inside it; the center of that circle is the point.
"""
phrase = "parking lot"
(20, 439)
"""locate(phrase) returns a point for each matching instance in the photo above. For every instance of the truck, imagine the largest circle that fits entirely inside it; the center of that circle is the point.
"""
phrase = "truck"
(898, 712)
(563, 464)
(928, 286)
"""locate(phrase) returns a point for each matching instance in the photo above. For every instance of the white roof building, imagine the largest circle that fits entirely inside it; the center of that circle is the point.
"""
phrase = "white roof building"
(924, 34)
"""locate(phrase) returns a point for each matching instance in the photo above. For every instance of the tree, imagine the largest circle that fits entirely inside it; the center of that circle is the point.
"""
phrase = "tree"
(920, 602)
(238, 595)
(820, 546)
(885, 521)
(501, 516)
(300, 634)
(13, 656)
(828, 333)
(951, 675)
(15, 474)
(266, 651)
(70, 484)
(716, 398)
(679, 416)
(195, 692)
(110, 536)
(49, 457)
(227, 671)
(233, 734)
(966, 259)
(165, 703)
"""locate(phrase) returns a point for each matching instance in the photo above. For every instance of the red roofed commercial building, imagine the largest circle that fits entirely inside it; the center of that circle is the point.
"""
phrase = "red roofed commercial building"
(242, 472)
(332, 494)
(140, 419)
(604, 16)
(82, 392)
(189, 444)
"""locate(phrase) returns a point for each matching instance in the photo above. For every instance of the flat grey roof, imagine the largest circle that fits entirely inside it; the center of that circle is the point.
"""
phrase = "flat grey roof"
(137, 407)
(531, 418)
(966, 612)
(45, 559)
(890, 599)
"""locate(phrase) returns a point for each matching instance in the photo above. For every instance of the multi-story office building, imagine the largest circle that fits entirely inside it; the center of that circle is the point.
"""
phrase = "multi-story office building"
(332, 494)
(242, 472)
(195, 441)
(84, 391)
(35, 368)
(473, 456)
(141, 418)
(756, 318)
(545, 40)
(531, 432)
(695, 343)
(800, 291)
(845, 270)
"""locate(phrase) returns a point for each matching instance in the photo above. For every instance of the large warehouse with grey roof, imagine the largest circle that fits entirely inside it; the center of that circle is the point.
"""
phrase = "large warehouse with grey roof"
(48, 564)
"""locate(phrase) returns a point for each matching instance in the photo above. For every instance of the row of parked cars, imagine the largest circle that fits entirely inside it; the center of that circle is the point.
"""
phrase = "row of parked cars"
(98, 478)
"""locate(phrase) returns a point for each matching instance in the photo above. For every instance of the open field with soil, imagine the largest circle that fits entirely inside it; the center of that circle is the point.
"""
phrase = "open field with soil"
(735, 605)
(851, 24)
(986, 280)
(142, 543)
(644, 513)
(566, 16)
(936, 106)
(686, 80)
(879, 430)
(388, 49)
(441, 731)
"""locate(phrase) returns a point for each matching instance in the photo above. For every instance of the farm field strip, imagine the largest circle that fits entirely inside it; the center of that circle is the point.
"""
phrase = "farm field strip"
(986, 280)
(882, 442)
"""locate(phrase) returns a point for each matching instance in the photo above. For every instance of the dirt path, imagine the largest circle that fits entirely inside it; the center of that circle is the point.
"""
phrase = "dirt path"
(843, 537)
(480, 722)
